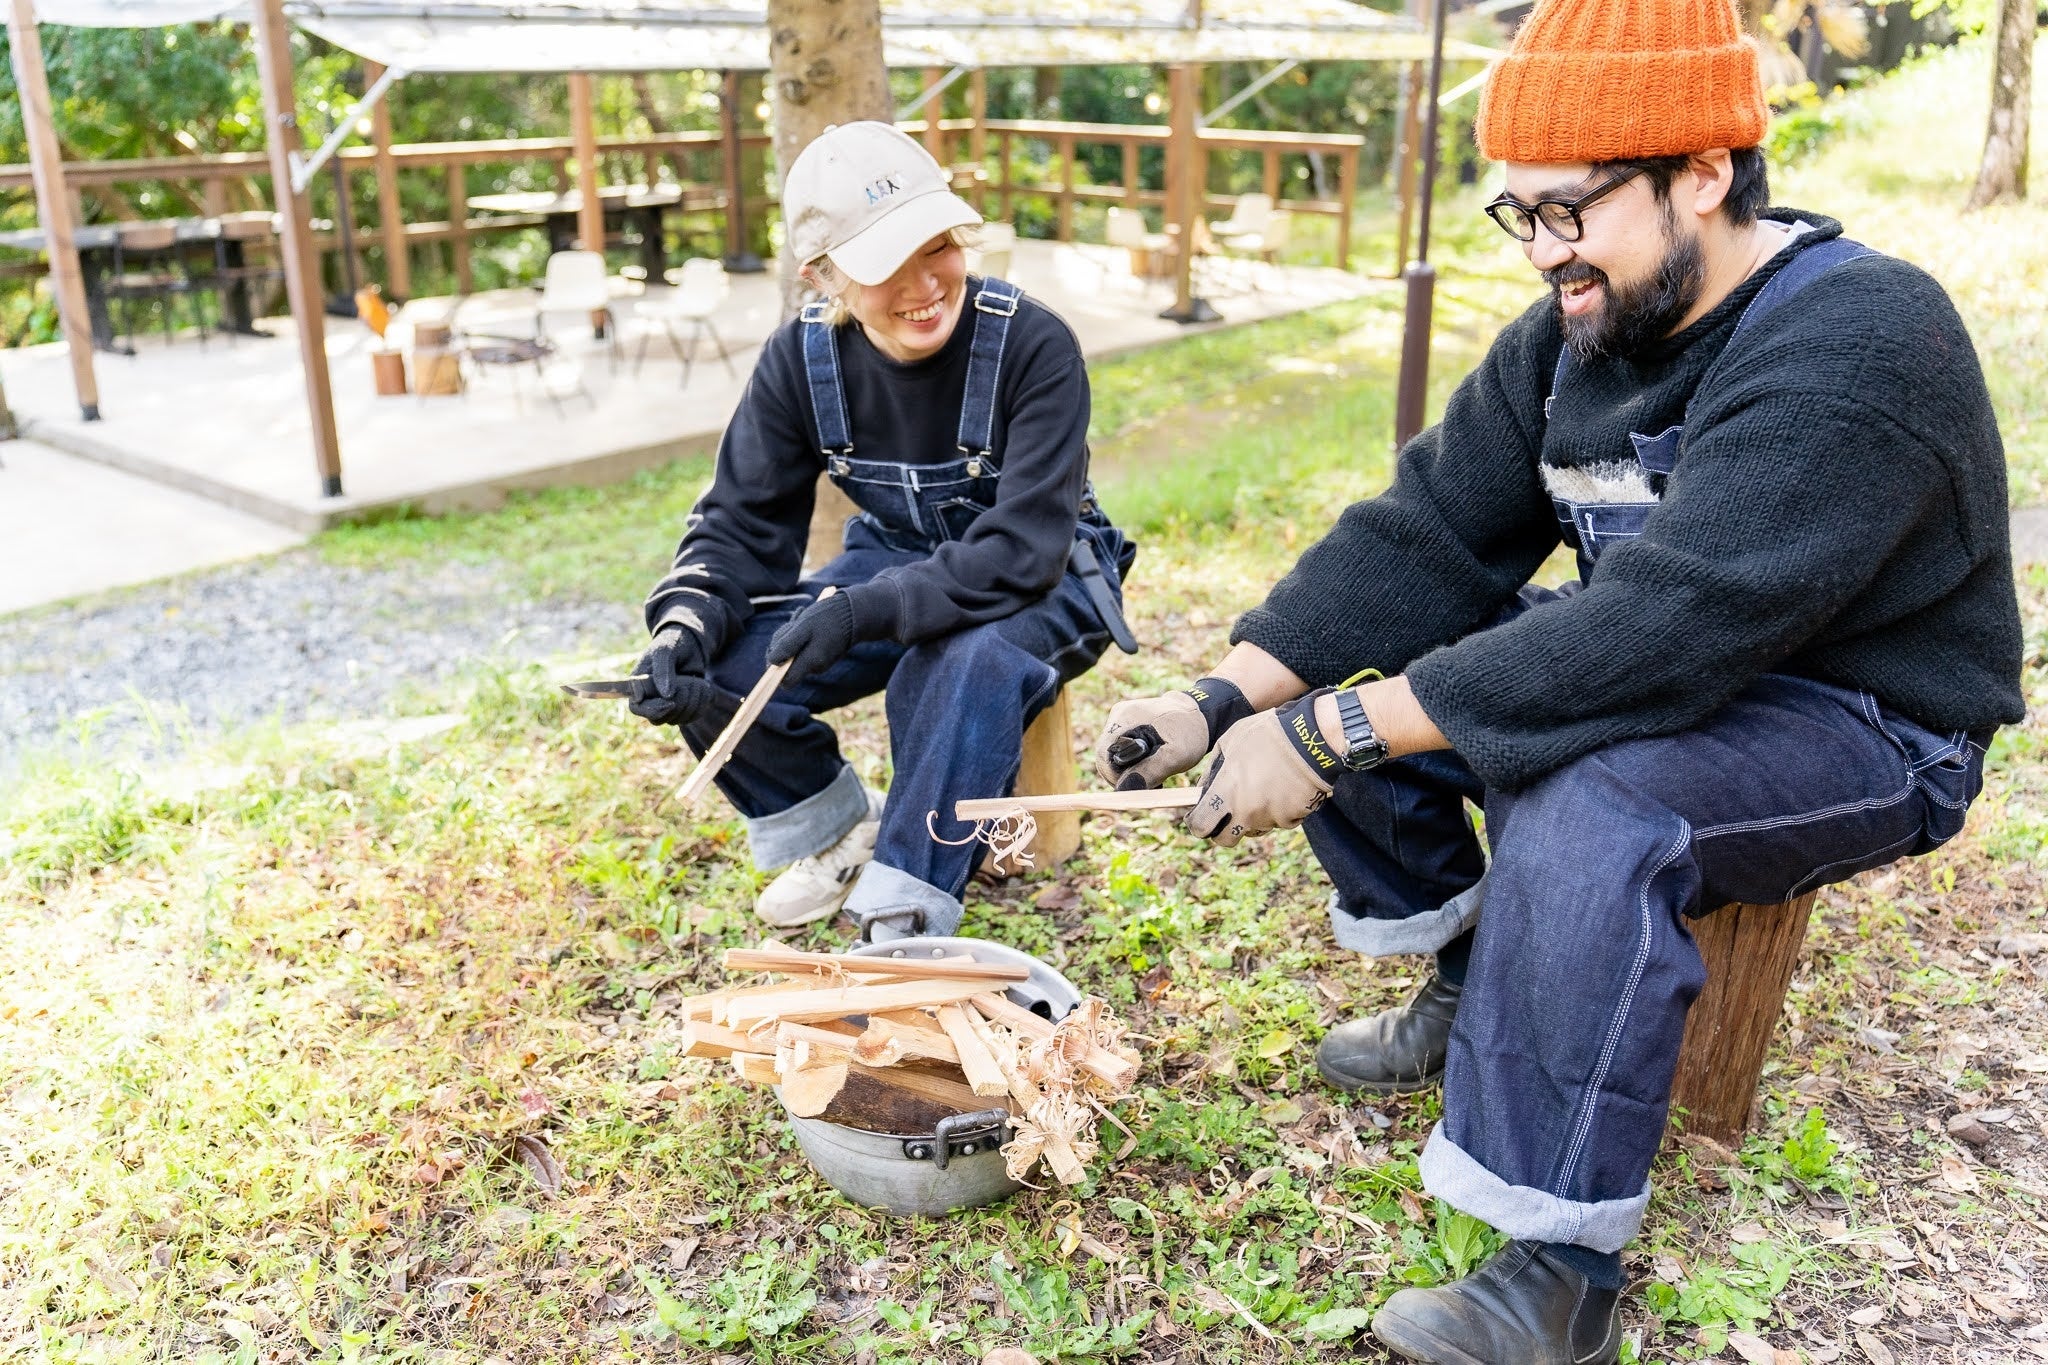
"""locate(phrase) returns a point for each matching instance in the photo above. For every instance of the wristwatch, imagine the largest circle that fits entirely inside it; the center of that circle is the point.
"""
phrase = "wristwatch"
(1363, 748)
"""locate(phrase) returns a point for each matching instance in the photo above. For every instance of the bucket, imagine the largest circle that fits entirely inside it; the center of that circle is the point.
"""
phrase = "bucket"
(959, 1164)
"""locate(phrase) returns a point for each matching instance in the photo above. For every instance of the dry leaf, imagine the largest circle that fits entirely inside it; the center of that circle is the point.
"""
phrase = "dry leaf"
(540, 1163)
(1868, 1317)
(1755, 1350)
(1276, 1044)
(1874, 1350)
(1009, 1355)
(1747, 1233)
(1957, 1176)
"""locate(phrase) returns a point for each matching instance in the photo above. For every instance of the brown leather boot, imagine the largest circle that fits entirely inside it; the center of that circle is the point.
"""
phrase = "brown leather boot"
(1521, 1308)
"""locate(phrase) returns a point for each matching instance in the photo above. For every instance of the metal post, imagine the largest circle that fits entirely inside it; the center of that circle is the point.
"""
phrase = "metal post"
(1412, 391)
(53, 201)
(739, 260)
(295, 233)
(1185, 184)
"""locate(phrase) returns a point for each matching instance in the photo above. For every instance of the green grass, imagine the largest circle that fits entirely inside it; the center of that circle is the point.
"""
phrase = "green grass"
(270, 1045)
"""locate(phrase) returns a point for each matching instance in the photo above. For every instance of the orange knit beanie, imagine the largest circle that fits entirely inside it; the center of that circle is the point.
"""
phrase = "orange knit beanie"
(1618, 80)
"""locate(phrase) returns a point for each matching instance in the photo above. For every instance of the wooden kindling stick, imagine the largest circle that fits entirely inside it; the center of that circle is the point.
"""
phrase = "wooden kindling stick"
(1162, 798)
(699, 780)
(904, 968)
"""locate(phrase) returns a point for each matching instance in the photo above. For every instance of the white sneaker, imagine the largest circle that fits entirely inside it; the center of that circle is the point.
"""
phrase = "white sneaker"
(814, 888)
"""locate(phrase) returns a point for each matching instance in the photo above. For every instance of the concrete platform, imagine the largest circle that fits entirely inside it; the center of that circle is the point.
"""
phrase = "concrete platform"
(69, 527)
(228, 421)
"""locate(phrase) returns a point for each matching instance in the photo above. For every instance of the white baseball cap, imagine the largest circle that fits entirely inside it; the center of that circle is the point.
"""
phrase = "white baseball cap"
(866, 195)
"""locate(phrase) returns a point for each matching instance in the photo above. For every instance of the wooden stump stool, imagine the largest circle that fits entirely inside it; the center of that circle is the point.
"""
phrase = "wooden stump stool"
(1751, 952)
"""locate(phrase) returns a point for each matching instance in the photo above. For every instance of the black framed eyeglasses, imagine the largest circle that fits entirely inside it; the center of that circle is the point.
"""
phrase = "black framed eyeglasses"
(1561, 216)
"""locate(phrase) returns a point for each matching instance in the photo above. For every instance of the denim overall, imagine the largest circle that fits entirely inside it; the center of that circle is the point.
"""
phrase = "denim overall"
(1582, 966)
(957, 705)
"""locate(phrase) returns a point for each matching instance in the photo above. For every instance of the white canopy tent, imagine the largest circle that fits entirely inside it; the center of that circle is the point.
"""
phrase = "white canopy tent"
(581, 37)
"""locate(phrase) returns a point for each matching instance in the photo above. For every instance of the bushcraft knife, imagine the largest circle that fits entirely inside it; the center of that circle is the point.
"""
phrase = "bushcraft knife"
(607, 687)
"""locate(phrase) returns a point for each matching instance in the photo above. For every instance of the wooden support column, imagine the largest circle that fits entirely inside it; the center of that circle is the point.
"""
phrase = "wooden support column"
(1751, 952)
(1003, 174)
(1407, 134)
(977, 135)
(934, 109)
(390, 214)
(273, 38)
(1347, 192)
(1269, 178)
(1066, 210)
(739, 259)
(458, 227)
(1186, 180)
(53, 201)
(1133, 186)
(583, 126)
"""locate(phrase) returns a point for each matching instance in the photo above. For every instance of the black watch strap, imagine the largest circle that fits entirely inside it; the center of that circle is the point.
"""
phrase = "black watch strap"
(1363, 747)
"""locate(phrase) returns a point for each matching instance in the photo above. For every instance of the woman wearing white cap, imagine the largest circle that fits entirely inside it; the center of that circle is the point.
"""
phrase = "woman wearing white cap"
(978, 577)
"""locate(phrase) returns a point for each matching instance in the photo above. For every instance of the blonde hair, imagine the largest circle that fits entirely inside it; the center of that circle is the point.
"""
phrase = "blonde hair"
(834, 283)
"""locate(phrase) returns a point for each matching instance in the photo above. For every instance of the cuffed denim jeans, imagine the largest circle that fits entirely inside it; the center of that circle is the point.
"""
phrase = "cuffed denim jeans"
(958, 706)
(1583, 966)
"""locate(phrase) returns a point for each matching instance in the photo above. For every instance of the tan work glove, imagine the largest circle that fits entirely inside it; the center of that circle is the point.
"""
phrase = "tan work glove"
(1270, 772)
(1148, 741)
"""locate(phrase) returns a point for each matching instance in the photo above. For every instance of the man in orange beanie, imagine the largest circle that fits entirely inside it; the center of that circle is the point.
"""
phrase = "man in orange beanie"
(1793, 633)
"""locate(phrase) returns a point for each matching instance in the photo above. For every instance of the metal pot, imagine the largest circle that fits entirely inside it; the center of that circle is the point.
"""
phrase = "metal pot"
(959, 1164)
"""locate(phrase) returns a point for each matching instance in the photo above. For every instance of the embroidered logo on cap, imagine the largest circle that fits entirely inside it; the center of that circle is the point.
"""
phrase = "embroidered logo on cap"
(883, 188)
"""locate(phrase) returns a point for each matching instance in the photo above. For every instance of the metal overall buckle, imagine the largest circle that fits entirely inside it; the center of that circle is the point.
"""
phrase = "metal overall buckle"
(1002, 305)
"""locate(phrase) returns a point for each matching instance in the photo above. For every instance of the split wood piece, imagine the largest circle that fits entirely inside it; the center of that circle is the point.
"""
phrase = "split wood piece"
(905, 968)
(994, 807)
(891, 1038)
(809, 1007)
(711, 1005)
(984, 1076)
(721, 1010)
(702, 1038)
(880, 1100)
(1115, 1071)
(754, 1068)
(1022, 1092)
(699, 780)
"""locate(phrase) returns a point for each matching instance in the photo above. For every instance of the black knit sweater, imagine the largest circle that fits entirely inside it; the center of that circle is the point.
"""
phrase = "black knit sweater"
(1837, 512)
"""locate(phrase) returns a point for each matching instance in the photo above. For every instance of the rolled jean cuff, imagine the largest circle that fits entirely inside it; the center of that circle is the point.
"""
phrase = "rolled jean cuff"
(1452, 1175)
(883, 889)
(811, 826)
(1423, 933)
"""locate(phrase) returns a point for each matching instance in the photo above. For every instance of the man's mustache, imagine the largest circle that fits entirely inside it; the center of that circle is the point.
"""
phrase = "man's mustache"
(1573, 274)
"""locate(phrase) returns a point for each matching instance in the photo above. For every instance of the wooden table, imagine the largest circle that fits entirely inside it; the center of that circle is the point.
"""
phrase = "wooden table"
(96, 255)
(643, 206)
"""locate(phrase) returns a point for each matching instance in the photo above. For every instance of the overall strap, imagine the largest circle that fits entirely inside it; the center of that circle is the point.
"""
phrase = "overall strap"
(821, 371)
(1803, 269)
(996, 301)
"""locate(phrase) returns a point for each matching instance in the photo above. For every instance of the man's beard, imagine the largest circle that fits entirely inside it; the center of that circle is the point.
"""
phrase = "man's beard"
(1631, 317)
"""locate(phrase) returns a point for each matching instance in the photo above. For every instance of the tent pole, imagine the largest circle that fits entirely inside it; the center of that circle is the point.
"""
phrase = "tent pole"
(1185, 183)
(53, 201)
(1412, 391)
(738, 259)
(590, 217)
(390, 211)
(295, 233)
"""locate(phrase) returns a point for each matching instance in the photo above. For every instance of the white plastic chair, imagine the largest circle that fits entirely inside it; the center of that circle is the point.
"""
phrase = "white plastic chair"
(576, 283)
(701, 289)
(998, 243)
(1247, 218)
(1126, 228)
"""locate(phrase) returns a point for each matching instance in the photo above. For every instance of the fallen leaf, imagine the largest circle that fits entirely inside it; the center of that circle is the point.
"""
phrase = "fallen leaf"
(2021, 945)
(2036, 1063)
(534, 1103)
(1059, 896)
(1280, 1113)
(1878, 1040)
(1276, 1044)
(1868, 1317)
(1338, 1322)
(1874, 1350)
(1748, 1233)
(540, 1163)
(1755, 1350)
(680, 1252)
(1995, 1116)
(1957, 1176)
(1009, 1355)
(1895, 1250)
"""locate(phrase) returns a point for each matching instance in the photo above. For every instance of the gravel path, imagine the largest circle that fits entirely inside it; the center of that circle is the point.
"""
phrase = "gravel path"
(289, 637)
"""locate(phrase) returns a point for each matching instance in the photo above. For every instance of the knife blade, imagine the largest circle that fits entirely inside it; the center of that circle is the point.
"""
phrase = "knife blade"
(606, 687)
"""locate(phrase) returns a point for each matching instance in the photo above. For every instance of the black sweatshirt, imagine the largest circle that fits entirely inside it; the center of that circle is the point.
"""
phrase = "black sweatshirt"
(746, 536)
(1837, 513)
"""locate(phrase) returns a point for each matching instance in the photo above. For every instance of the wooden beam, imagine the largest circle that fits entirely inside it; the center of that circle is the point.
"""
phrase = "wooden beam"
(977, 135)
(738, 258)
(53, 201)
(1186, 165)
(302, 282)
(583, 125)
(458, 226)
(1347, 192)
(390, 212)
(934, 105)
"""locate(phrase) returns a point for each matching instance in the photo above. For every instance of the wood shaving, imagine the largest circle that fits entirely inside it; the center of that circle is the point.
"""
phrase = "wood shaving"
(1007, 836)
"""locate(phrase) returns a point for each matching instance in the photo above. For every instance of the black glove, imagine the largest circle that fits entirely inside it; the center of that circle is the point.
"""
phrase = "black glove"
(676, 690)
(816, 638)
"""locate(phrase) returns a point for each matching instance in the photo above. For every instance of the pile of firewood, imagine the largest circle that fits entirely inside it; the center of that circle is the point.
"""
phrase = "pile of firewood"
(893, 1045)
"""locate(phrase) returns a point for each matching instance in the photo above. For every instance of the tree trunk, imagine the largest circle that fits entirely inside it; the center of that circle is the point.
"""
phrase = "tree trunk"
(2003, 174)
(658, 124)
(825, 63)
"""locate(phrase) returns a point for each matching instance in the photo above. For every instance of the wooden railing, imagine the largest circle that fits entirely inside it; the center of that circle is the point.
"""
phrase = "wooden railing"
(214, 172)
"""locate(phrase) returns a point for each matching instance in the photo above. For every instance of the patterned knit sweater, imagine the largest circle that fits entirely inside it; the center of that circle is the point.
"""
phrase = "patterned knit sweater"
(1836, 511)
